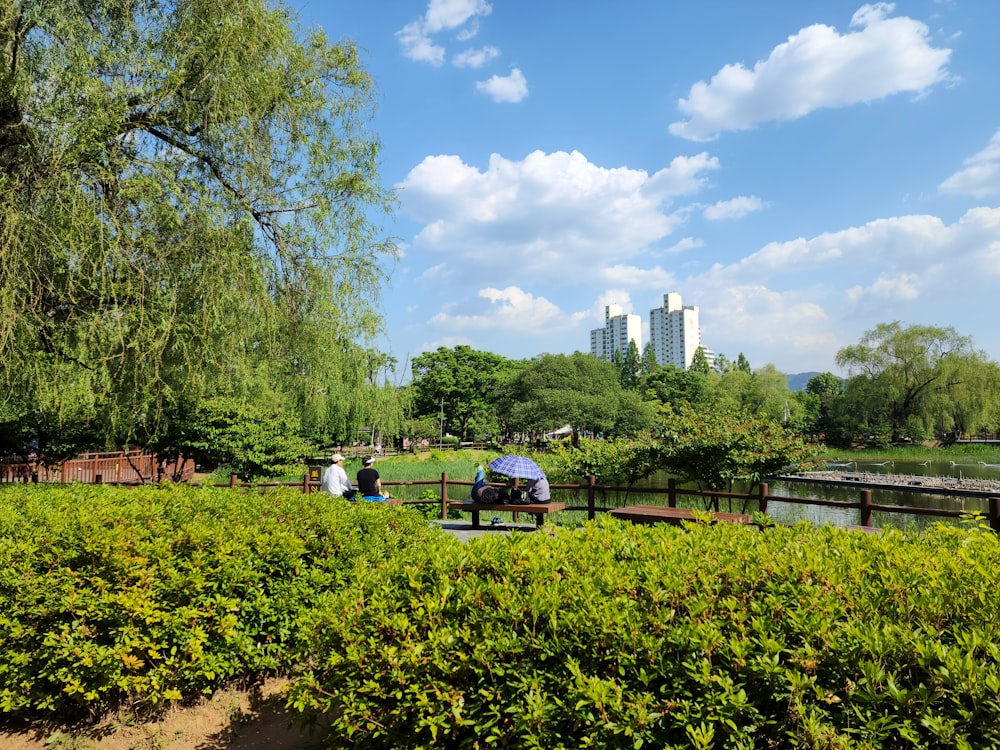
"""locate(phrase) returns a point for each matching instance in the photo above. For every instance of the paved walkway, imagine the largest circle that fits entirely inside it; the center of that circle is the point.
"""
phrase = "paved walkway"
(463, 529)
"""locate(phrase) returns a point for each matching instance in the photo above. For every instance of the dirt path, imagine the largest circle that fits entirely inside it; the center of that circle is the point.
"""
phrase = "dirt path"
(232, 719)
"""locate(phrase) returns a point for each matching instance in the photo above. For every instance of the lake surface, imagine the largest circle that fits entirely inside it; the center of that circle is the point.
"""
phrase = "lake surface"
(789, 513)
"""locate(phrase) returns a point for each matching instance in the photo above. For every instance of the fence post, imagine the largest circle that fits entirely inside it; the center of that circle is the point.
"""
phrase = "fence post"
(995, 514)
(762, 499)
(444, 495)
(232, 481)
(591, 492)
(305, 482)
(866, 508)
(672, 493)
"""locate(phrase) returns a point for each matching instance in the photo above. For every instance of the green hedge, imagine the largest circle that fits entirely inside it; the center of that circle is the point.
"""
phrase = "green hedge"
(711, 637)
(148, 595)
(606, 636)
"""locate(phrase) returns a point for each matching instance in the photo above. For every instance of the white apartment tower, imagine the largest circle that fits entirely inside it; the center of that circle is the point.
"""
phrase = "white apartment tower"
(618, 330)
(674, 332)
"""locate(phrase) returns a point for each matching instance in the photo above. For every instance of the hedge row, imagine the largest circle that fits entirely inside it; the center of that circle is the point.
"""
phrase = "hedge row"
(606, 636)
(146, 595)
(614, 636)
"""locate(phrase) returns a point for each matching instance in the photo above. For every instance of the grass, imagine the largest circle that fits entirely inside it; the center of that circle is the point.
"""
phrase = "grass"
(979, 452)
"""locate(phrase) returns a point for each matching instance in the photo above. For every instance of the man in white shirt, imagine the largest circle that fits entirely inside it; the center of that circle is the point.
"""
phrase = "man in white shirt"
(335, 479)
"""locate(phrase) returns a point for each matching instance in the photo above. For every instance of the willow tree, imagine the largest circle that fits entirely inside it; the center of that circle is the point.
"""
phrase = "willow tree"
(915, 381)
(188, 206)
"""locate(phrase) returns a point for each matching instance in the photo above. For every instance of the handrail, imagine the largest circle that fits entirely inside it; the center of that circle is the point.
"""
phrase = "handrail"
(762, 497)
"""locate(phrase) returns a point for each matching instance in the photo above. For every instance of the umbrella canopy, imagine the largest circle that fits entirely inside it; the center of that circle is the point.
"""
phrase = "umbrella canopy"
(519, 467)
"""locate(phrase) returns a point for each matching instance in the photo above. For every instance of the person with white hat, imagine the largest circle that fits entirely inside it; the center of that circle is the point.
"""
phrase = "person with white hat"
(369, 482)
(335, 479)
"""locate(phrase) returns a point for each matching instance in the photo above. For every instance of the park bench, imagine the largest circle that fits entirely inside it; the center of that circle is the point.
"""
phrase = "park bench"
(539, 510)
(661, 514)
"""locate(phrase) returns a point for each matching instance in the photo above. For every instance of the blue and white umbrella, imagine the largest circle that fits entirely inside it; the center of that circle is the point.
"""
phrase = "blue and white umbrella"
(519, 467)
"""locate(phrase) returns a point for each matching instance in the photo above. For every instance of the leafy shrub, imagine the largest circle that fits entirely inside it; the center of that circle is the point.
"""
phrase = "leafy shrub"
(618, 636)
(255, 439)
(111, 595)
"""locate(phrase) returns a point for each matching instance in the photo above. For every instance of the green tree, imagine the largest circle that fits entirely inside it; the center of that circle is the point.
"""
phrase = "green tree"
(717, 449)
(463, 383)
(911, 381)
(699, 362)
(188, 197)
(578, 389)
(648, 364)
(670, 385)
(821, 393)
(628, 366)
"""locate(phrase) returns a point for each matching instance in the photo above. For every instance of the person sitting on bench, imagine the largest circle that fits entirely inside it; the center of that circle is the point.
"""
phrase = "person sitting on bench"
(369, 482)
(482, 492)
(537, 490)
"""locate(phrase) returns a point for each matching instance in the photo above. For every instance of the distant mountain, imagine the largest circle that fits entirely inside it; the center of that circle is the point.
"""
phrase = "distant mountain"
(799, 380)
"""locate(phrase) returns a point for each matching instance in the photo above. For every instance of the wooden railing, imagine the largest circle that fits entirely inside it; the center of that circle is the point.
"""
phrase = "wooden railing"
(110, 468)
(761, 498)
(116, 467)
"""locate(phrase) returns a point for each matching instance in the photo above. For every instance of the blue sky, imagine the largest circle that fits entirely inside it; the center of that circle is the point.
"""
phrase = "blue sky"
(801, 171)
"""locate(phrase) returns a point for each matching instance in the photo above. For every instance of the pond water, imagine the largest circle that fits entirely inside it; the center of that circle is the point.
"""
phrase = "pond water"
(789, 513)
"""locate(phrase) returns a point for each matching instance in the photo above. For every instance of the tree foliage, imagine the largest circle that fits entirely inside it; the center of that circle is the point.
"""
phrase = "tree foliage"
(463, 386)
(717, 449)
(913, 381)
(185, 198)
(578, 389)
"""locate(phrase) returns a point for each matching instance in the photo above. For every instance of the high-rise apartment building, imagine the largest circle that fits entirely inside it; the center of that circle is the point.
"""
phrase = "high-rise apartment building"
(674, 332)
(619, 329)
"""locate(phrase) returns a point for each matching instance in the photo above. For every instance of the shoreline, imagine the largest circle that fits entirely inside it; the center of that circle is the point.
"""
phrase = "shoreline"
(905, 481)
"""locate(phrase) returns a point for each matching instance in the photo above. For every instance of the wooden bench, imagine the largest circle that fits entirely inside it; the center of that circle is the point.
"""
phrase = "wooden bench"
(661, 514)
(538, 510)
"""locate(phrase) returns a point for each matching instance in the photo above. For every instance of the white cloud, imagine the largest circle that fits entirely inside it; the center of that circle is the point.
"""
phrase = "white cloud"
(475, 58)
(442, 15)
(557, 215)
(981, 176)
(904, 287)
(685, 243)
(734, 208)
(418, 46)
(511, 309)
(900, 268)
(639, 278)
(814, 69)
(450, 14)
(505, 89)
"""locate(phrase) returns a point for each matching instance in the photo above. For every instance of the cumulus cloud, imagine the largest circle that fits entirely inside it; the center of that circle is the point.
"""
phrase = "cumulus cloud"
(899, 268)
(555, 214)
(505, 89)
(981, 176)
(475, 58)
(451, 14)
(685, 243)
(905, 287)
(511, 309)
(416, 38)
(417, 45)
(639, 278)
(734, 208)
(817, 68)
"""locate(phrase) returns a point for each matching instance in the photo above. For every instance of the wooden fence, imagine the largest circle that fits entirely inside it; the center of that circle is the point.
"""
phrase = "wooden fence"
(761, 498)
(117, 467)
